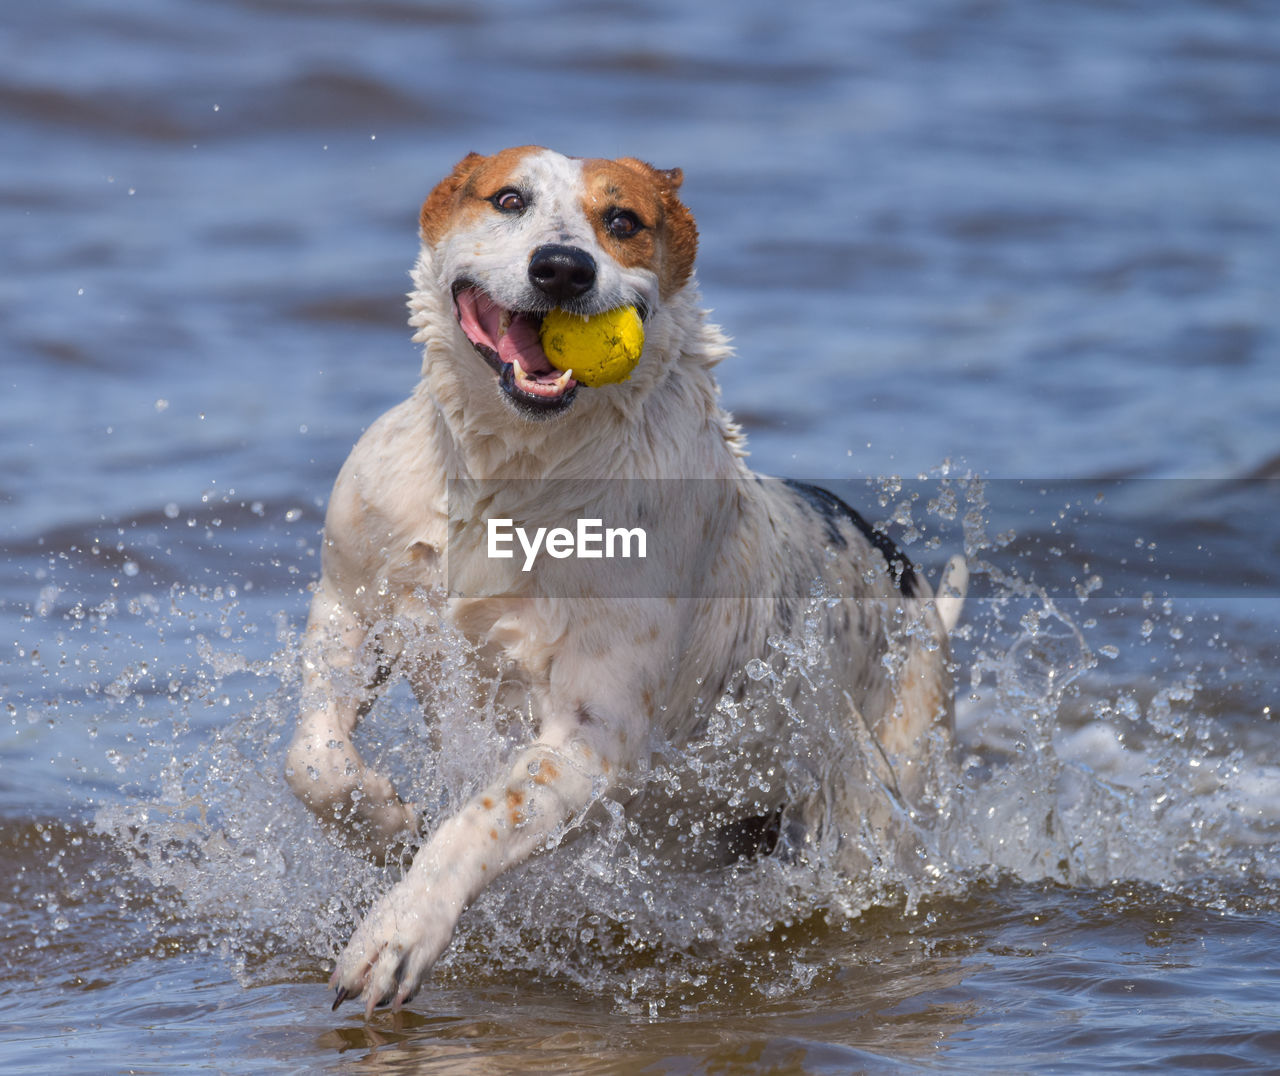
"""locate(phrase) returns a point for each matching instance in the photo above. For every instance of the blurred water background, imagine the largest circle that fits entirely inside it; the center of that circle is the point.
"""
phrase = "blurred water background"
(1024, 256)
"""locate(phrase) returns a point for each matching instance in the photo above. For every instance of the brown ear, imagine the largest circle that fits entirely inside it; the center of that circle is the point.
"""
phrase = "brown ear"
(667, 179)
(672, 176)
(681, 242)
(436, 208)
(680, 233)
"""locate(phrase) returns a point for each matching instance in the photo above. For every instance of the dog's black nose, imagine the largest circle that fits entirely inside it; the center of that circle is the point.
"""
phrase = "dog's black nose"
(562, 273)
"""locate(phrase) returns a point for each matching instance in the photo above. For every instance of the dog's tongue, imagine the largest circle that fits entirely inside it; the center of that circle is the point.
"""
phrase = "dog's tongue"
(481, 319)
(520, 344)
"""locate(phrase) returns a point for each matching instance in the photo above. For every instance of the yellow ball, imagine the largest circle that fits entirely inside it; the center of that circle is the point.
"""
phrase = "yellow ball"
(600, 350)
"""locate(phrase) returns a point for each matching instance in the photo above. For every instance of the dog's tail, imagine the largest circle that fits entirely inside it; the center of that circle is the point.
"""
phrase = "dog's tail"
(951, 591)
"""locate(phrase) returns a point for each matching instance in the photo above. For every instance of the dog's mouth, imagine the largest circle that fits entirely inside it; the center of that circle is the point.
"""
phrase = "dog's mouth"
(508, 341)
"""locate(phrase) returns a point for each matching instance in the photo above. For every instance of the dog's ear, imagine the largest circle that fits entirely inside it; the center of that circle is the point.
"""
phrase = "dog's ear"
(436, 208)
(667, 179)
(682, 237)
(673, 177)
(680, 234)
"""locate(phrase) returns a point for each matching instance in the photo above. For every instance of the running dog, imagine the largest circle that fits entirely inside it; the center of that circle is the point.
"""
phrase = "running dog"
(493, 430)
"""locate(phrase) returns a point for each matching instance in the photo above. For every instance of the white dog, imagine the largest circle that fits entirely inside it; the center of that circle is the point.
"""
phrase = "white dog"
(610, 654)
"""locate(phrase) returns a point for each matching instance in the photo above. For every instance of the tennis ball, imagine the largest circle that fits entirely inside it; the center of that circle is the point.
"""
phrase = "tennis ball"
(600, 350)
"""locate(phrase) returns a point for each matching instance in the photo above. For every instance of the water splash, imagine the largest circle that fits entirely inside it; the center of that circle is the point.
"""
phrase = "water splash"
(1060, 774)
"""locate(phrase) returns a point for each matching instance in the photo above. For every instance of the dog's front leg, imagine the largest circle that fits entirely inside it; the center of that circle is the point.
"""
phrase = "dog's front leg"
(408, 928)
(341, 676)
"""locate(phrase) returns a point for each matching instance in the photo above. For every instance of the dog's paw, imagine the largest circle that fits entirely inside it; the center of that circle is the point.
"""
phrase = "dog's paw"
(394, 948)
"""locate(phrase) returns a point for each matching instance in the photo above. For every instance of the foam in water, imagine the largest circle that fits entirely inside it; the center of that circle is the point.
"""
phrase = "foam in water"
(1053, 777)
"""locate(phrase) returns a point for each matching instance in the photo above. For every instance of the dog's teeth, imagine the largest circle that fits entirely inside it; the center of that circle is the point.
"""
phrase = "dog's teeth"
(504, 323)
(561, 383)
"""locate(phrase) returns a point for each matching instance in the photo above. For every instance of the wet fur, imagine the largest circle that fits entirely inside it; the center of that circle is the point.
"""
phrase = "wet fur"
(603, 675)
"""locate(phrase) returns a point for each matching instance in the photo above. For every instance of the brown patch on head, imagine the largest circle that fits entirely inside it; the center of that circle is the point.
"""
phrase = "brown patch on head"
(487, 803)
(514, 798)
(546, 773)
(467, 190)
(647, 699)
(666, 240)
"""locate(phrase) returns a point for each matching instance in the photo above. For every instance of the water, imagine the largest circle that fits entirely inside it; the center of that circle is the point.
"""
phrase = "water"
(1038, 242)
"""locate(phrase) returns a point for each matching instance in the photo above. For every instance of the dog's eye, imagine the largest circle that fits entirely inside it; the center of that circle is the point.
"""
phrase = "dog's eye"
(623, 224)
(509, 200)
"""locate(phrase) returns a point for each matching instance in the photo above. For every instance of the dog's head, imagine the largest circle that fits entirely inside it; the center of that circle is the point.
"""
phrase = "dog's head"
(515, 235)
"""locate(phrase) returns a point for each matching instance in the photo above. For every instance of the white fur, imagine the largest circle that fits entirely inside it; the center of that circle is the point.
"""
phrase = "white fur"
(602, 674)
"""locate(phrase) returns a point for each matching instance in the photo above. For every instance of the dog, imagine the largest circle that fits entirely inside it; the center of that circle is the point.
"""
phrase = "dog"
(493, 430)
